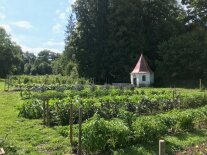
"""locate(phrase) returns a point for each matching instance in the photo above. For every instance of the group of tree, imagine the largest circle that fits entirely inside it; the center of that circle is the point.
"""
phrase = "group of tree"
(184, 57)
(11, 55)
(41, 64)
(14, 61)
(106, 38)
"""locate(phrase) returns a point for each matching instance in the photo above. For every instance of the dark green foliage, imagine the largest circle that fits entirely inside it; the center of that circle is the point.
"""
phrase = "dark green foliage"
(14, 61)
(46, 96)
(197, 10)
(47, 81)
(193, 102)
(178, 58)
(110, 35)
(42, 64)
(115, 103)
(115, 118)
(148, 129)
(31, 109)
(11, 55)
(100, 135)
(59, 113)
(151, 128)
(63, 130)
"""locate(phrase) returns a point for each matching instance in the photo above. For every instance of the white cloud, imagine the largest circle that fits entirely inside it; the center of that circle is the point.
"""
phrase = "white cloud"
(6, 27)
(69, 9)
(2, 13)
(37, 49)
(23, 24)
(2, 8)
(52, 43)
(57, 11)
(18, 38)
(62, 16)
(2, 16)
(71, 1)
(57, 28)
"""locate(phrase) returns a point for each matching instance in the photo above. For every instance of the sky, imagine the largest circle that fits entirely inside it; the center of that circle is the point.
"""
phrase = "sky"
(36, 25)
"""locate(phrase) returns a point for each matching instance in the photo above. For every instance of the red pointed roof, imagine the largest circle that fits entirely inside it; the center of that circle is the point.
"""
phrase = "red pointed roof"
(142, 66)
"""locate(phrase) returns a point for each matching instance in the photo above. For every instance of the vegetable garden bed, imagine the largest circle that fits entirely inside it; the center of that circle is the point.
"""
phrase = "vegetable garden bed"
(114, 118)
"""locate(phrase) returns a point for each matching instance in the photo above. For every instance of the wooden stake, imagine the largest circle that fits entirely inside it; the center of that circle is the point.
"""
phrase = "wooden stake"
(173, 94)
(47, 114)
(21, 90)
(8, 82)
(161, 147)
(200, 84)
(2, 151)
(29, 92)
(71, 124)
(44, 120)
(5, 84)
(80, 132)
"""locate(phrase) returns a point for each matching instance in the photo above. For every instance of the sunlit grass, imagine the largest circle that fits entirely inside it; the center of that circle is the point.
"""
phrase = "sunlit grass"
(174, 143)
(23, 136)
(181, 141)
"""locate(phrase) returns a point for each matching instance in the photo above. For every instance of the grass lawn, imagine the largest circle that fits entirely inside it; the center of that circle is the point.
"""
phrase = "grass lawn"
(23, 136)
(174, 144)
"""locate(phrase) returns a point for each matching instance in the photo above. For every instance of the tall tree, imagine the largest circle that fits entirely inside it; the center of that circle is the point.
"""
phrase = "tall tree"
(91, 35)
(184, 57)
(67, 65)
(42, 64)
(11, 55)
(110, 35)
(197, 11)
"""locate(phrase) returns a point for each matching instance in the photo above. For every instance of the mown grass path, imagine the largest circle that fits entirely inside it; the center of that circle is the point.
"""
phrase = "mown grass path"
(23, 136)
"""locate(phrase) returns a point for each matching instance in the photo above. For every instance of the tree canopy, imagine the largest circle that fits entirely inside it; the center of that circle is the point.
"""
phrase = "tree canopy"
(11, 58)
(104, 39)
(184, 57)
(14, 61)
(41, 64)
(109, 36)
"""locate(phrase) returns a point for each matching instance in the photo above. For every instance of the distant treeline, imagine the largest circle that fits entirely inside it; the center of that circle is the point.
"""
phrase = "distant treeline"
(107, 37)
(104, 40)
(14, 61)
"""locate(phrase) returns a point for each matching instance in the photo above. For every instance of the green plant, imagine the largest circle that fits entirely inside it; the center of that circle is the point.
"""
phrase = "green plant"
(148, 129)
(31, 109)
(99, 135)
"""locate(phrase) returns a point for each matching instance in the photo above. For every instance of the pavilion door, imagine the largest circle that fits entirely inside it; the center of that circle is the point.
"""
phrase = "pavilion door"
(135, 81)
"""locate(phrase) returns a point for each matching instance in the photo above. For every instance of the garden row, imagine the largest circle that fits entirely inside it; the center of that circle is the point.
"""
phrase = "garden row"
(115, 118)
(27, 83)
(100, 135)
(46, 79)
(108, 107)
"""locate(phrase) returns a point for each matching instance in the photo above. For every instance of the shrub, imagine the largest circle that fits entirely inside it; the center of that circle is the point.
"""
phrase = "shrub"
(148, 129)
(31, 109)
(100, 134)
(185, 121)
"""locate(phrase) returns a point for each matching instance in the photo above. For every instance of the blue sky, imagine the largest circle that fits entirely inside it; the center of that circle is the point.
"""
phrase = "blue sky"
(36, 24)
